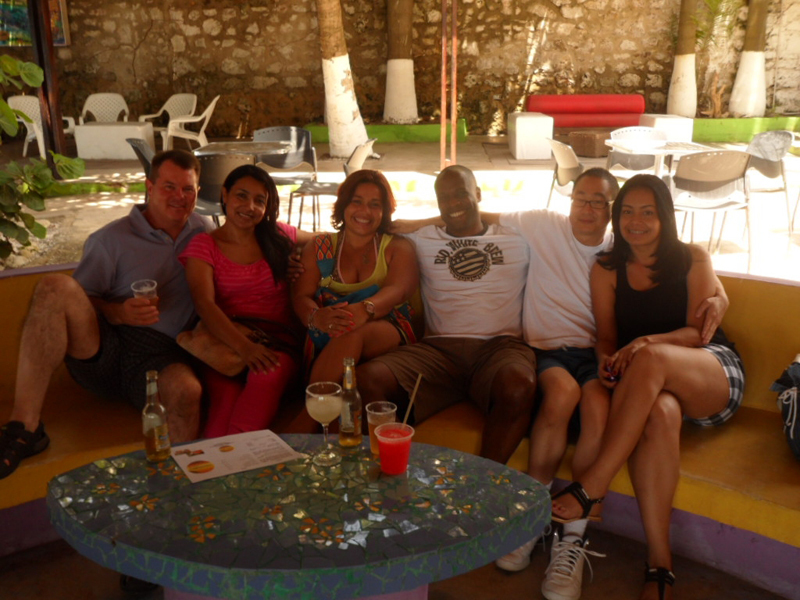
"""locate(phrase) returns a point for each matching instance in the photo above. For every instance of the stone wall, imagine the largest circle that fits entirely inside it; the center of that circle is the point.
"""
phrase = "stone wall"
(263, 56)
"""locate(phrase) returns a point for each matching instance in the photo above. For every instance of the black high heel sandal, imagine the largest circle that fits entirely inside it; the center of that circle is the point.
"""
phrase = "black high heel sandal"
(663, 577)
(576, 490)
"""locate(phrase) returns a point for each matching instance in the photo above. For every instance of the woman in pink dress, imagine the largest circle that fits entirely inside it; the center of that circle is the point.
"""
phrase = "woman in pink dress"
(238, 273)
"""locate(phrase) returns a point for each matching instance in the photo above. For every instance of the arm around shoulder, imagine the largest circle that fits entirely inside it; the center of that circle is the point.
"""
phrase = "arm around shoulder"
(707, 299)
(402, 278)
(603, 286)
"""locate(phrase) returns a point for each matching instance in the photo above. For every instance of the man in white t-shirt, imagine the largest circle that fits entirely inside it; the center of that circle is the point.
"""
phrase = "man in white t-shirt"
(472, 277)
(558, 323)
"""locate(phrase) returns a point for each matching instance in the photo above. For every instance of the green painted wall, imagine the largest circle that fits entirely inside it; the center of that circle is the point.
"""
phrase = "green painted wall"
(740, 130)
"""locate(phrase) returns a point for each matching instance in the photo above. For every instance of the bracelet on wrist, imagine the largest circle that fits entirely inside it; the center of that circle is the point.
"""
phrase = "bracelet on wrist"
(310, 323)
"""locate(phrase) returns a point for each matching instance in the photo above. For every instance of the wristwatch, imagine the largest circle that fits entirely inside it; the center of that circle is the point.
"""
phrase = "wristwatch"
(370, 308)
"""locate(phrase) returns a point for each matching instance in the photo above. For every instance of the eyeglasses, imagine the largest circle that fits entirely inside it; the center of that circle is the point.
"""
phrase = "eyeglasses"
(597, 204)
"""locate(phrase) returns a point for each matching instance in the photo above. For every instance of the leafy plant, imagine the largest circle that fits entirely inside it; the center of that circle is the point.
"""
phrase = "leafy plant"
(25, 186)
(716, 19)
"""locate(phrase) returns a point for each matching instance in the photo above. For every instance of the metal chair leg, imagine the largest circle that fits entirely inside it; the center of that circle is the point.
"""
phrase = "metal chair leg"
(721, 228)
(300, 212)
(749, 238)
(713, 229)
(552, 186)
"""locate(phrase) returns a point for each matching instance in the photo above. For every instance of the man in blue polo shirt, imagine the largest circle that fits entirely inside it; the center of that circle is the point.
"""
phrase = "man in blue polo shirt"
(108, 338)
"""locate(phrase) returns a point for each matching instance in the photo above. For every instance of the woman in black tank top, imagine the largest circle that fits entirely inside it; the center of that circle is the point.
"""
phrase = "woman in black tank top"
(652, 351)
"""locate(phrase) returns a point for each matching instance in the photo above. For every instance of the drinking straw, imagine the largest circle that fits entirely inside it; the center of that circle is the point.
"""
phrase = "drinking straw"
(413, 395)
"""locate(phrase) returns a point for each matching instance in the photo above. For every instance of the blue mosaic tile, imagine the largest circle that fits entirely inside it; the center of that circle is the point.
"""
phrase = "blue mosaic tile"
(296, 530)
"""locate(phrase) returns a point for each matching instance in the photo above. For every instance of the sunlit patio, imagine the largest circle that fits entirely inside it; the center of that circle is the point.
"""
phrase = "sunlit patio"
(507, 185)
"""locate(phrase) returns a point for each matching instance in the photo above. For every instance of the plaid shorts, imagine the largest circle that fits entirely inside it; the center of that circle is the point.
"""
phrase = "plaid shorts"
(126, 353)
(734, 371)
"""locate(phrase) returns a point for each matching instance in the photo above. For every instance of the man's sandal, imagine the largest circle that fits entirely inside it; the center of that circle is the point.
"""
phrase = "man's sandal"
(16, 443)
(664, 577)
(576, 490)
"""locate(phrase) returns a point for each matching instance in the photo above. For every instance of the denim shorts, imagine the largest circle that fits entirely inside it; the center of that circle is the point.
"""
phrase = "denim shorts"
(581, 363)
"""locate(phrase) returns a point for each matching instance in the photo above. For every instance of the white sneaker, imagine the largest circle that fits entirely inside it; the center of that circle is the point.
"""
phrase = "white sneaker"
(564, 574)
(518, 559)
(521, 557)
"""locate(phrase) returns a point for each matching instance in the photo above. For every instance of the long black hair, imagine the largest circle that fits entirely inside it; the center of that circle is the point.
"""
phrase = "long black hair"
(673, 257)
(275, 245)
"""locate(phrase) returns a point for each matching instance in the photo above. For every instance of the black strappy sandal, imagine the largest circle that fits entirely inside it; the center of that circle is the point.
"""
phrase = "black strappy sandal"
(663, 577)
(16, 444)
(575, 489)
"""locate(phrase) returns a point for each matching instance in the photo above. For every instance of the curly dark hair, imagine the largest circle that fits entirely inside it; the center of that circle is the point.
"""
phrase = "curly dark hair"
(673, 257)
(348, 189)
(275, 245)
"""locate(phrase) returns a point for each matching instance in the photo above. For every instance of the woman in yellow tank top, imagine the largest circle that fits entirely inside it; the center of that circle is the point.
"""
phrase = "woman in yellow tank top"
(354, 294)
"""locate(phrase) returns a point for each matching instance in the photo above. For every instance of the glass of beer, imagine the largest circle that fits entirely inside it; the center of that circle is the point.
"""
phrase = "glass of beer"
(146, 288)
(379, 413)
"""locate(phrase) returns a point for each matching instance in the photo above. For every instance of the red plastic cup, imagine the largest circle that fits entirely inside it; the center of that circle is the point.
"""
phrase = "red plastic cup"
(394, 443)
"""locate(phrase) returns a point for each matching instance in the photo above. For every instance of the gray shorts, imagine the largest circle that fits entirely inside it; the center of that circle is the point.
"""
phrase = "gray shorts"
(126, 353)
(455, 368)
(734, 371)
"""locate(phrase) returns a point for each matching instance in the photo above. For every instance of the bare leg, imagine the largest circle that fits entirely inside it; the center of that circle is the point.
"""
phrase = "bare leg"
(594, 409)
(377, 382)
(560, 394)
(654, 470)
(180, 392)
(60, 321)
(513, 393)
(693, 375)
(365, 343)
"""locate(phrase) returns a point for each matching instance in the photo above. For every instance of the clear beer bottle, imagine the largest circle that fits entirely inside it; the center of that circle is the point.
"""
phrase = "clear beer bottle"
(350, 419)
(154, 423)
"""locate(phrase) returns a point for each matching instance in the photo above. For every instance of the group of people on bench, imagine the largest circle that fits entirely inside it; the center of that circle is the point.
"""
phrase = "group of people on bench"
(617, 329)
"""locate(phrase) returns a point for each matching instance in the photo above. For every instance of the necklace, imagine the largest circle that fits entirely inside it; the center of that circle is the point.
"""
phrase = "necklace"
(364, 257)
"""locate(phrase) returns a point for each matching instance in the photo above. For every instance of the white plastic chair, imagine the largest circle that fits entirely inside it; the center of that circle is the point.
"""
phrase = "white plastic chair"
(177, 105)
(624, 165)
(767, 150)
(177, 127)
(315, 189)
(566, 171)
(32, 109)
(105, 108)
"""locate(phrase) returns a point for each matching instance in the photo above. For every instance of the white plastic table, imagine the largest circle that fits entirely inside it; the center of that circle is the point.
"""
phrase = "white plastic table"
(107, 140)
(657, 148)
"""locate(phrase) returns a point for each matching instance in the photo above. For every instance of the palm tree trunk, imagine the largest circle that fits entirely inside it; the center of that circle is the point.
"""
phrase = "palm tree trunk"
(749, 93)
(682, 98)
(345, 126)
(400, 104)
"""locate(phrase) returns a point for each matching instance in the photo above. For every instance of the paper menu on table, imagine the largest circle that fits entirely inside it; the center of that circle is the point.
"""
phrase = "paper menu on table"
(206, 459)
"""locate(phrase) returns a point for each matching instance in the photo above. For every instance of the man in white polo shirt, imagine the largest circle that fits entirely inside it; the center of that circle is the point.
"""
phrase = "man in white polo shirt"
(472, 277)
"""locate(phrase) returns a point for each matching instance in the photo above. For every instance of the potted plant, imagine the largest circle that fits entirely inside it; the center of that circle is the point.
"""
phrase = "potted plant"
(25, 186)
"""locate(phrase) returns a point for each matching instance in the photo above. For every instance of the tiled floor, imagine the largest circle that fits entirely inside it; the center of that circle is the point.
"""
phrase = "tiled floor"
(56, 572)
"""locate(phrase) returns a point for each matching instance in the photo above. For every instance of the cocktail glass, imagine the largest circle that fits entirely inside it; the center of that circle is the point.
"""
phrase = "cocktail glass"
(379, 413)
(324, 404)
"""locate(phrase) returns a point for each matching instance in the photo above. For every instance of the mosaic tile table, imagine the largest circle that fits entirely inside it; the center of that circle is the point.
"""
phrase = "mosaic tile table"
(295, 530)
